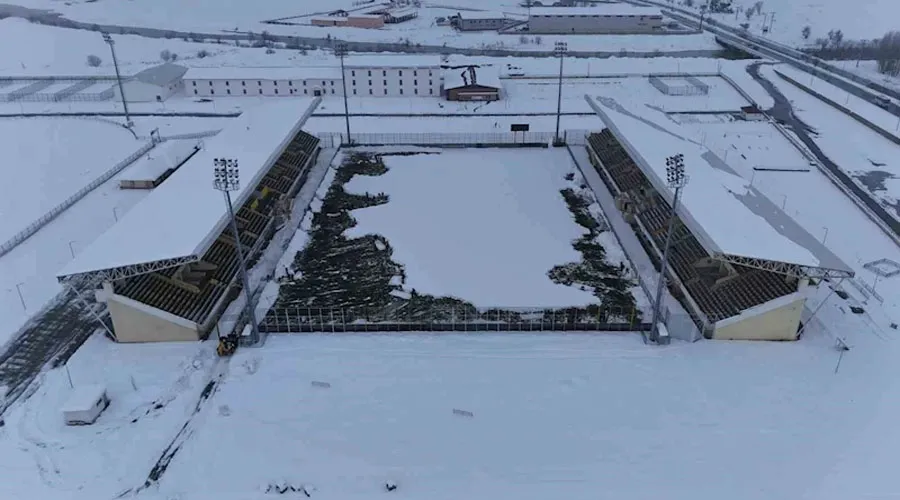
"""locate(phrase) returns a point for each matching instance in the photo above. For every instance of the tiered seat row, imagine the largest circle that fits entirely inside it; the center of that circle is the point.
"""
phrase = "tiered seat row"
(718, 296)
(193, 291)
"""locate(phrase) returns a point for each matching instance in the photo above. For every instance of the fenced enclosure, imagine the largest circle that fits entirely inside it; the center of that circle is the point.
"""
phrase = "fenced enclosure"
(56, 89)
(454, 318)
(453, 139)
(679, 86)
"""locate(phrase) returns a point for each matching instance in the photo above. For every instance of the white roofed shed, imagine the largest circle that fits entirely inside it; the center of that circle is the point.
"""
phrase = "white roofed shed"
(730, 218)
(178, 221)
(85, 404)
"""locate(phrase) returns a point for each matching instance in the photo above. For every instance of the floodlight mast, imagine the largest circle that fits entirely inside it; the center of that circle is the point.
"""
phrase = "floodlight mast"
(112, 48)
(675, 179)
(559, 49)
(226, 178)
(340, 50)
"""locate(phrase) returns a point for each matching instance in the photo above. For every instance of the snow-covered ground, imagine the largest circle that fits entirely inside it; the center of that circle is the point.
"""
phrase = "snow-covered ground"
(203, 16)
(50, 159)
(860, 20)
(868, 157)
(551, 415)
(748, 143)
(495, 248)
(881, 117)
(869, 69)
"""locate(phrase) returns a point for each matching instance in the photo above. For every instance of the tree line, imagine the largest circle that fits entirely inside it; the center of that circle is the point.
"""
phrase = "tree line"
(885, 51)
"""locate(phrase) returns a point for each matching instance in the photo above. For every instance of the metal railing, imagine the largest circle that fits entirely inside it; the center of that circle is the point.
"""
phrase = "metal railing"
(54, 212)
(456, 318)
(454, 139)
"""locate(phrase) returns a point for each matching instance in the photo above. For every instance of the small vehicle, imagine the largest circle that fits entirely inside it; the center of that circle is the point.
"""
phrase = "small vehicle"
(882, 102)
(227, 346)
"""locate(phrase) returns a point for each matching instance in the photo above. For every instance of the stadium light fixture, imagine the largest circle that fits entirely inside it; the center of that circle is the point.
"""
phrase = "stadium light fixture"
(112, 48)
(340, 50)
(675, 179)
(226, 178)
(559, 49)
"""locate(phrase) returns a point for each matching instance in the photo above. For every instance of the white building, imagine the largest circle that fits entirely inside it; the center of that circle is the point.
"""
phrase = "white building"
(602, 18)
(258, 81)
(393, 76)
(153, 84)
(382, 76)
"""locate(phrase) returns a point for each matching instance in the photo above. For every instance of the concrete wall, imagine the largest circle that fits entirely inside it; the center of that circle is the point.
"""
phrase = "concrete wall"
(134, 323)
(572, 24)
(780, 323)
(136, 91)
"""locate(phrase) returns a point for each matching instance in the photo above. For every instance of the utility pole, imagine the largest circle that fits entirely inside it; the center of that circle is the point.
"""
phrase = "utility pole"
(340, 50)
(227, 179)
(560, 49)
(675, 179)
(21, 298)
(112, 48)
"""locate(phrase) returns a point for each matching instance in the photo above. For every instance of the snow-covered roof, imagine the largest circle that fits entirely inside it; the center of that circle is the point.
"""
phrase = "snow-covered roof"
(161, 75)
(83, 398)
(263, 73)
(373, 61)
(486, 76)
(183, 216)
(603, 9)
(159, 159)
(481, 14)
(722, 209)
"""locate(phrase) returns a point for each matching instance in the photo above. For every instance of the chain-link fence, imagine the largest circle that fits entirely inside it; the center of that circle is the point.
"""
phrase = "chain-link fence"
(456, 318)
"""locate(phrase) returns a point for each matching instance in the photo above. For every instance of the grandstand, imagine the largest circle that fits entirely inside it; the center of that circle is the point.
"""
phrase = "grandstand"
(737, 262)
(169, 267)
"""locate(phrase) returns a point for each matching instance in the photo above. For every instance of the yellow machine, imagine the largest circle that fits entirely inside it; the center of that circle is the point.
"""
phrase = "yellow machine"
(227, 345)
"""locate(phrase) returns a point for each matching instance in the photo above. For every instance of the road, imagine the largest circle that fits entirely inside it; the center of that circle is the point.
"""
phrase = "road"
(748, 42)
(783, 111)
(54, 19)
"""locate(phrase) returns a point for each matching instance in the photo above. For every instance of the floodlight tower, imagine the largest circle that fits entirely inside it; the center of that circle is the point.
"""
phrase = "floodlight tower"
(559, 49)
(340, 50)
(675, 179)
(226, 178)
(112, 48)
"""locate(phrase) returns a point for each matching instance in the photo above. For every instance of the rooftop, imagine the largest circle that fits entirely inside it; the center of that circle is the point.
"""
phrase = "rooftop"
(161, 158)
(392, 61)
(263, 72)
(161, 75)
(604, 9)
(181, 218)
(487, 76)
(83, 398)
(482, 14)
(726, 214)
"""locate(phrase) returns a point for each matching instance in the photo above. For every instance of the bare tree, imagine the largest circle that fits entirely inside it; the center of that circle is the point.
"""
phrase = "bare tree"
(758, 7)
(806, 32)
(888, 53)
(165, 55)
(749, 13)
(523, 40)
(538, 40)
(93, 61)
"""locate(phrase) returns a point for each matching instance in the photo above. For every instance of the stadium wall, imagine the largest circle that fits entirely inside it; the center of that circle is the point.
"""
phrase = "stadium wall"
(778, 319)
(147, 324)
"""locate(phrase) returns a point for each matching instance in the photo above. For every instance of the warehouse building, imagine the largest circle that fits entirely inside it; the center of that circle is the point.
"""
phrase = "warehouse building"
(154, 84)
(371, 21)
(375, 75)
(472, 83)
(613, 18)
(480, 21)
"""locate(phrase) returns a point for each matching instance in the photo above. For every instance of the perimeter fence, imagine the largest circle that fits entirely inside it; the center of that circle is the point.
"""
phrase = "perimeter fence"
(452, 318)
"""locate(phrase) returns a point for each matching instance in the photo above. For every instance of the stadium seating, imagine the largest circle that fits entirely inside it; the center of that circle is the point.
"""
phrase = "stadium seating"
(193, 291)
(720, 290)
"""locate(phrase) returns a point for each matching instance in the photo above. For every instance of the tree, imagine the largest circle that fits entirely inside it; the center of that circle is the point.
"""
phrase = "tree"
(749, 13)
(165, 55)
(836, 38)
(523, 40)
(202, 53)
(806, 32)
(93, 61)
(887, 53)
(758, 6)
(538, 40)
(689, 3)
